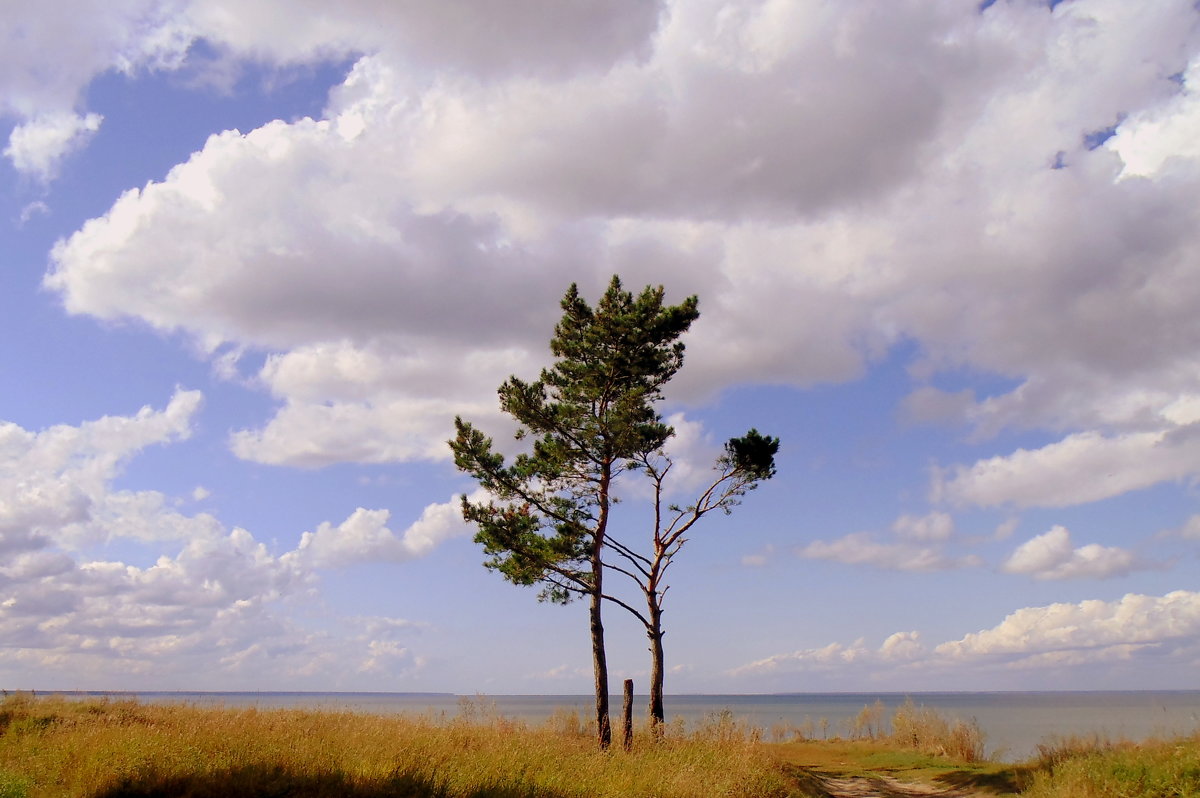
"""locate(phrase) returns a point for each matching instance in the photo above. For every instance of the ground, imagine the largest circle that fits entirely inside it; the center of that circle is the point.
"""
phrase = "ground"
(862, 769)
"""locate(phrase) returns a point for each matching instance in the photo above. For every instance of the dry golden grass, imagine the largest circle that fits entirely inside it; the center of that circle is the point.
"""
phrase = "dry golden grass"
(123, 749)
(925, 730)
(110, 749)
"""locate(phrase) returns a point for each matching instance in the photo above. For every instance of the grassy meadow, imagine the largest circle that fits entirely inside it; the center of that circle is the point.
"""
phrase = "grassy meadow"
(119, 748)
(106, 749)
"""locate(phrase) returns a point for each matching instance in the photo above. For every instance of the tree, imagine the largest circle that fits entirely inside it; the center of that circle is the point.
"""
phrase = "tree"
(590, 417)
(745, 462)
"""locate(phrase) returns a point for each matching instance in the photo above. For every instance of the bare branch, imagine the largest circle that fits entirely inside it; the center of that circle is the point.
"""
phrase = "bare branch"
(621, 570)
(627, 553)
(633, 611)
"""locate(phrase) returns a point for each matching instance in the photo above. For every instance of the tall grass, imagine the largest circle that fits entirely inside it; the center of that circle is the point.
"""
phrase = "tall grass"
(868, 723)
(1099, 768)
(926, 730)
(120, 749)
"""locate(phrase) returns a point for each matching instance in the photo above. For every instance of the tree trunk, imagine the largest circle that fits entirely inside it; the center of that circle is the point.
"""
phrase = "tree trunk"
(654, 631)
(599, 658)
(600, 671)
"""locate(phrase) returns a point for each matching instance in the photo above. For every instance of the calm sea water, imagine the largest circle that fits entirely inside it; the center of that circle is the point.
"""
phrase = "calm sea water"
(1013, 722)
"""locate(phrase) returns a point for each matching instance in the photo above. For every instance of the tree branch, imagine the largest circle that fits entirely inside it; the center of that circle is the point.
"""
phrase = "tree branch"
(621, 570)
(633, 611)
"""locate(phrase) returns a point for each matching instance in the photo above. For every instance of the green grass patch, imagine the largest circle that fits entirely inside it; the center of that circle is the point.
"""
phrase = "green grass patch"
(1098, 768)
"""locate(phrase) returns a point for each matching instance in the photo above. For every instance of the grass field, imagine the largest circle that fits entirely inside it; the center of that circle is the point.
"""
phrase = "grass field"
(113, 749)
(106, 749)
(1095, 768)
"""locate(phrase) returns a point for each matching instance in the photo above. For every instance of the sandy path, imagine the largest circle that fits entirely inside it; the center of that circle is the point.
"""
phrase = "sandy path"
(885, 787)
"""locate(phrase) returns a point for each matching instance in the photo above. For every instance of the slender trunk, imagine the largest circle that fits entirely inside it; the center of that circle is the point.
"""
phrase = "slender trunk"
(654, 631)
(600, 671)
(599, 658)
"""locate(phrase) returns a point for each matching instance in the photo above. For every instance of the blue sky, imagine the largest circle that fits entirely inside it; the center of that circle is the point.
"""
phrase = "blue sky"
(255, 258)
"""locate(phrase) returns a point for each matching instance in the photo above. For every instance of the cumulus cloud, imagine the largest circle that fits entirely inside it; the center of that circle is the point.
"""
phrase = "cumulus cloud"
(49, 60)
(1149, 138)
(1083, 467)
(1053, 556)
(526, 37)
(55, 484)
(210, 600)
(364, 537)
(37, 147)
(1048, 637)
(824, 203)
(1087, 630)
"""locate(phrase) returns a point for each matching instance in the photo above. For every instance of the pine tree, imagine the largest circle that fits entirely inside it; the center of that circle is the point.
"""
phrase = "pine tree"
(589, 418)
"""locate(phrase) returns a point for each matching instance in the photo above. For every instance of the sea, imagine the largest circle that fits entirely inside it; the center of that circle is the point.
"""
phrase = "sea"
(1013, 722)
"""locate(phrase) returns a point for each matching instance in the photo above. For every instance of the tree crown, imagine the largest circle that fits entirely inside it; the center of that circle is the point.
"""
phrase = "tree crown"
(589, 415)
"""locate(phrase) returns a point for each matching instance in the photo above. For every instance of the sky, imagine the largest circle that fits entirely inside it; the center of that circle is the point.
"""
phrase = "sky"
(256, 255)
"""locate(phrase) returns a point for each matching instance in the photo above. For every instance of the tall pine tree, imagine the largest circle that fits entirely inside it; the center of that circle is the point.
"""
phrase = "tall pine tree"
(589, 417)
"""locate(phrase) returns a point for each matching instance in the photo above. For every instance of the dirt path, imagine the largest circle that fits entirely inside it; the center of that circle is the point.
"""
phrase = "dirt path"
(885, 787)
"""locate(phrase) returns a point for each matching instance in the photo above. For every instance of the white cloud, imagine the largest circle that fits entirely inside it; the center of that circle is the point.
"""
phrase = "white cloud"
(1149, 138)
(834, 655)
(384, 656)
(37, 147)
(822, 202)
(33, 209)
(313, 435)
(934, 527)
(375, 403)
(1089, 630)
(1053, 556)
(209, 605)
(861, 548)
(478, 38)
(1040, 638)
(898, 648)
(902, 646)
(1083, 467)
(364, 537)
(49, 59)
(54, 484)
